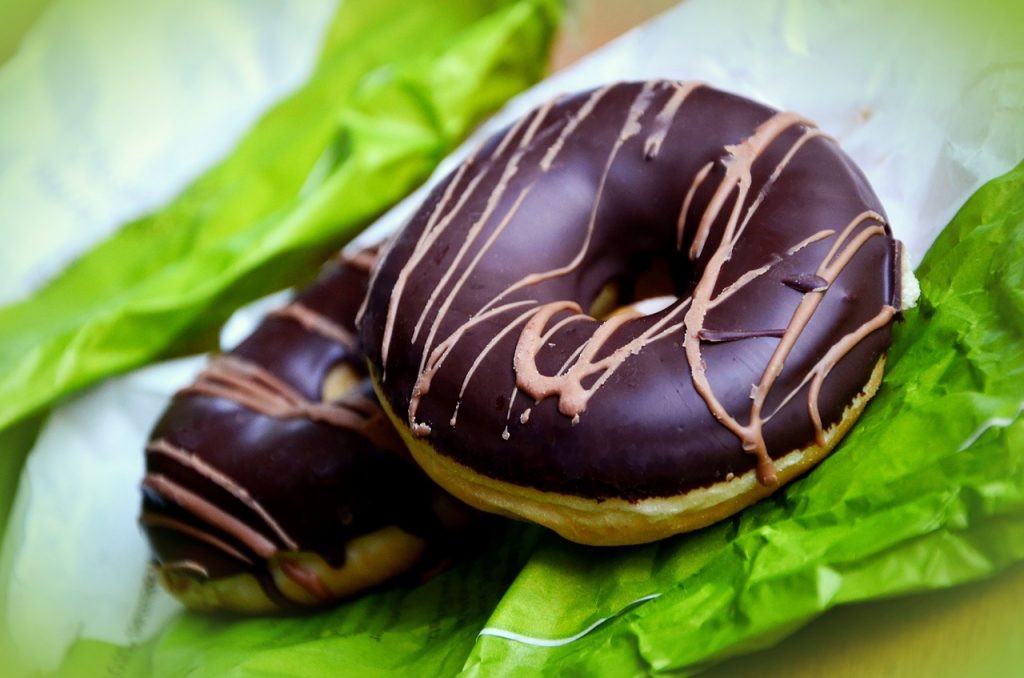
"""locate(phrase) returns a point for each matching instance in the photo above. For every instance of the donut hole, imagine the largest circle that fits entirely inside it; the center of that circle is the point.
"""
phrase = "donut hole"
(648, 286)
(340, 380)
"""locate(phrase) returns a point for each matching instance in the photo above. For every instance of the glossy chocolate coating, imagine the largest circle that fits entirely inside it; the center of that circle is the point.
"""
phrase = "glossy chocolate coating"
(320, 483)
(594, 187)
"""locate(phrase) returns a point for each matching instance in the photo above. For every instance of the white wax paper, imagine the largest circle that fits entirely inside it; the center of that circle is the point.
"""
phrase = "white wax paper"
(110, 107)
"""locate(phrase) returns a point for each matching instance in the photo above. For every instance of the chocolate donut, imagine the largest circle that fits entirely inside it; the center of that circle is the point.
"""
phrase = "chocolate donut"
(275, 481)
(523, 391)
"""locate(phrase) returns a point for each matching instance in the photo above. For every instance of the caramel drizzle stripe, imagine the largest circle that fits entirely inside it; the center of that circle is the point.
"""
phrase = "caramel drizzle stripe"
(573, 397)
(550, 333)
(508, 413)
(210, 513)
(648, 336)
(375, 426)
(379, 253)
(480, 358)
(437, 358)
(506, 140)
(151, 519)
(364, 260)
(436, 225)
(663, 121)
(190, 565)
(749, 276)
(668, 331)
(833, 356)
(751, 434)
(367, 407)
(493, 199)
(834, 259)
(562, 323)
(738, 167)
(565, 365)
(809, 240)
(385, 249)
(582, 114)
(753, 274)
(630, 128)
(308, 581)
(317, 323)
(426, 239)
(446, 305)
(684, 211)
(191, 461)
(242, 382)
(808, 134)
(259, 390)
(607, 366)
(741, 282)
(574, 355)
(571, 381)
(829, 271)
(560, 372)
(822, 368)
(737, 177)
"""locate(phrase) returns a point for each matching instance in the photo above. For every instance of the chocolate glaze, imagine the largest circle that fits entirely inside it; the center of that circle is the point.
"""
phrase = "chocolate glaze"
(248, 461)
(779, 253)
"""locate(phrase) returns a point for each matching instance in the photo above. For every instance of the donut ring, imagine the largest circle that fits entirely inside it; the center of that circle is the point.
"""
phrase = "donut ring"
(275, 482)
(516, 393)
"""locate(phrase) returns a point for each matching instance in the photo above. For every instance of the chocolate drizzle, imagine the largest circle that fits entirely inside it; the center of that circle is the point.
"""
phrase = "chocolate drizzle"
(484, 292)
(189, 460)
(718, 336)
(806, 282)
(250, 463)
(315, 322)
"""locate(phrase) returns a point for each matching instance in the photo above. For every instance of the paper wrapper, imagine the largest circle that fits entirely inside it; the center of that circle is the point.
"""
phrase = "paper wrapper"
(927, 492)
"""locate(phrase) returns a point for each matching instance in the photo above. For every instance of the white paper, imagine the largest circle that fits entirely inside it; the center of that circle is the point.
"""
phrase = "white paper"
(927, 96)
(110, 107)
(74, 558)
(928, 119)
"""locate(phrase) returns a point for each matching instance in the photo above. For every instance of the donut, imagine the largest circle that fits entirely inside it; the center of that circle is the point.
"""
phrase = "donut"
(635, 311)
(275, 481)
